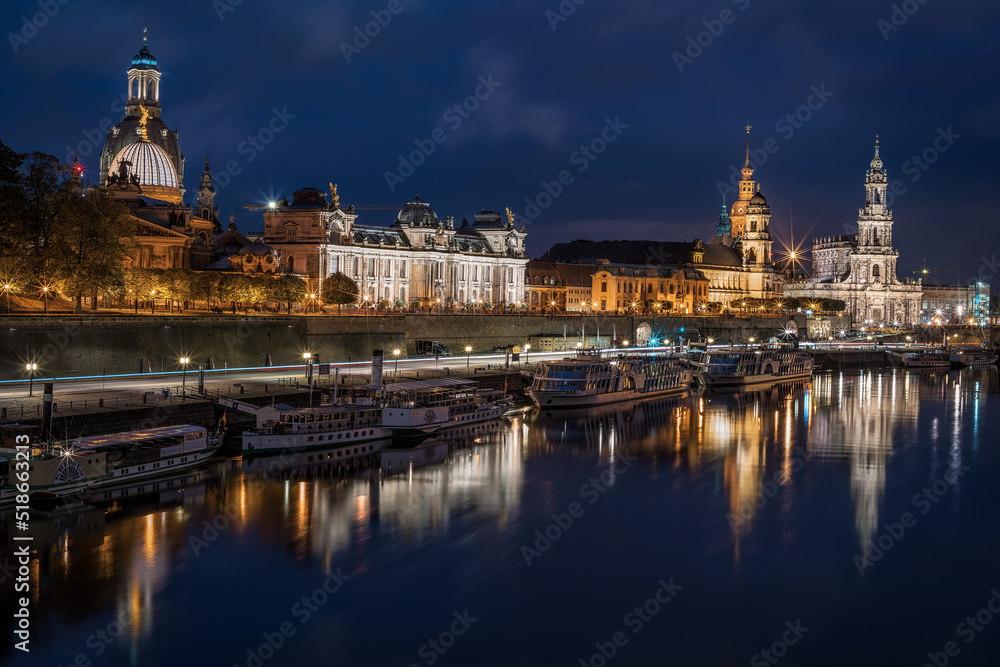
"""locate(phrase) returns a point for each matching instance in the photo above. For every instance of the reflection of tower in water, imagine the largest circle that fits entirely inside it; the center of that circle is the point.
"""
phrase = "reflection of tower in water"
(859, 415)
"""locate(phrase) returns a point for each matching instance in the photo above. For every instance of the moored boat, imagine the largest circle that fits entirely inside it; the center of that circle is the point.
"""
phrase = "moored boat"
(736, 368)
(592, 379)
(926, 360)
(118, 458)
(973, 358)
(282, 428)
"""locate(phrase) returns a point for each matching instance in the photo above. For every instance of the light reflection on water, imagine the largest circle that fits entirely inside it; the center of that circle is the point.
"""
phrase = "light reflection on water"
(743, 451)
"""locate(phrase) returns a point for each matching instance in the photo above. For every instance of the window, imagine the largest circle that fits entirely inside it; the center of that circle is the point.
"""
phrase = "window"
(604, 304)
(371, 267)
(604, 287)
(402, 268)
(387, 268)
(671, 289)
(291, 233)
(290, 264)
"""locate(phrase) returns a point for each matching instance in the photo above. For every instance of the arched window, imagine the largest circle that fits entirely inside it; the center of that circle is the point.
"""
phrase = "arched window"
(604, 304)
(876, 274)
(290, 264)
(604, 287)
(752, 256)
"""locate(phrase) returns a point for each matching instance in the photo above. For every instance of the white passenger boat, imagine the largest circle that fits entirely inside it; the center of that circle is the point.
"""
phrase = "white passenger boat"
(119, 458)
(282, 428)
(920, 360)
(413, 409)
(736, 368)
(973, 358)
(590, 379)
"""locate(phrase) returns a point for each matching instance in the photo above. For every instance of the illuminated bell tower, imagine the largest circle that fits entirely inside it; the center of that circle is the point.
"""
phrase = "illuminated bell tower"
(143, 82)
(748, 189)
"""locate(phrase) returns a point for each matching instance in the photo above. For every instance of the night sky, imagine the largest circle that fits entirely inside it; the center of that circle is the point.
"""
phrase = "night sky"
(680, 107)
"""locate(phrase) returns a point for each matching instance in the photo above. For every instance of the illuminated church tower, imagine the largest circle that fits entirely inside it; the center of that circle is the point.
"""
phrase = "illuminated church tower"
(142, 138)
(748, 189)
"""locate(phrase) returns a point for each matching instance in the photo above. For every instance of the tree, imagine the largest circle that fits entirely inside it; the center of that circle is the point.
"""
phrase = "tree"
(339, 290)
(288, 289)
(88, 245)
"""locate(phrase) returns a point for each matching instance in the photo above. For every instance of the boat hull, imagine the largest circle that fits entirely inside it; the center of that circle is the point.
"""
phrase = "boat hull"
(744, 380)
(556, 399)
(260, 444)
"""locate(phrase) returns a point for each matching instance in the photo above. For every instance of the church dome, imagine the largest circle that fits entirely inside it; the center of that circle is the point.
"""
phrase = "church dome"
(257, 250)
(150, 162)
(417, 212)
(758, 200)
(144, 59)
(876, 163)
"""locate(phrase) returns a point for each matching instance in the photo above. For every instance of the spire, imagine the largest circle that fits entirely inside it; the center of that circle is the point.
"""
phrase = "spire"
(876, 163)
(747, 163)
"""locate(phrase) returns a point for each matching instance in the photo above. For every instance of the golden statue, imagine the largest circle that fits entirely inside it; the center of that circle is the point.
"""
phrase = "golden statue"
(510, 217)
(334, 197)
(143, 120)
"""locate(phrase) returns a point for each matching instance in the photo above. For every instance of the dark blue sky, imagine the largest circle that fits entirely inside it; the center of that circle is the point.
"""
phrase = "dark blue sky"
(658, 179)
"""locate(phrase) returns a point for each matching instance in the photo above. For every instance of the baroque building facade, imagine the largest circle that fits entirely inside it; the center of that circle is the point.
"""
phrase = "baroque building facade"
(860, 269)
(418, 260)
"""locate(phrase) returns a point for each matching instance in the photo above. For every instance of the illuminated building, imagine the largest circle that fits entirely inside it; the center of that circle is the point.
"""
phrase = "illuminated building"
(860, 269)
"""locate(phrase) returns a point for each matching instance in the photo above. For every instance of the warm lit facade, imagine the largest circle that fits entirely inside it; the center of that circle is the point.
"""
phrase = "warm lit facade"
(621, 288)
(418, 260)
(142, 166)
(553, 286)
(957, 304)
(860, 269)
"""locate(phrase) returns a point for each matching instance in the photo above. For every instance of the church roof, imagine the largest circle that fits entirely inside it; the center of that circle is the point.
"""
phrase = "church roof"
(150, 162)
(417, 212)
(655, 253)
(144, 59)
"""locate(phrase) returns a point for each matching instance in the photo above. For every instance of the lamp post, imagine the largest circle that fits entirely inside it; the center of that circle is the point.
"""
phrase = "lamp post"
(307, 356)
(468, 356)
(527, 349)
(45, 298)
(152, 304)
(184, 364)
(6, 289)
(395, 354)
(31, 368)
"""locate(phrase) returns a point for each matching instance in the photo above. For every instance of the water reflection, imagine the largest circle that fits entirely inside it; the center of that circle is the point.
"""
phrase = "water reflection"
(112, 556)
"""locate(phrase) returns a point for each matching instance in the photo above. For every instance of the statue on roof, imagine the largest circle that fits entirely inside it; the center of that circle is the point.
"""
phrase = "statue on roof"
(334, 197)
(510, 217)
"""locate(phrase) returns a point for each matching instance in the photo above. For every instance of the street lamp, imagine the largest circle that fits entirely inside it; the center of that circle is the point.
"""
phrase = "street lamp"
(31, 368)
(6, 289)
(711, 340)
(307, 356)
(184, 363)
(468, 355)
(527, 348)
(152, 305)
(395, 354)
(45, 298)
